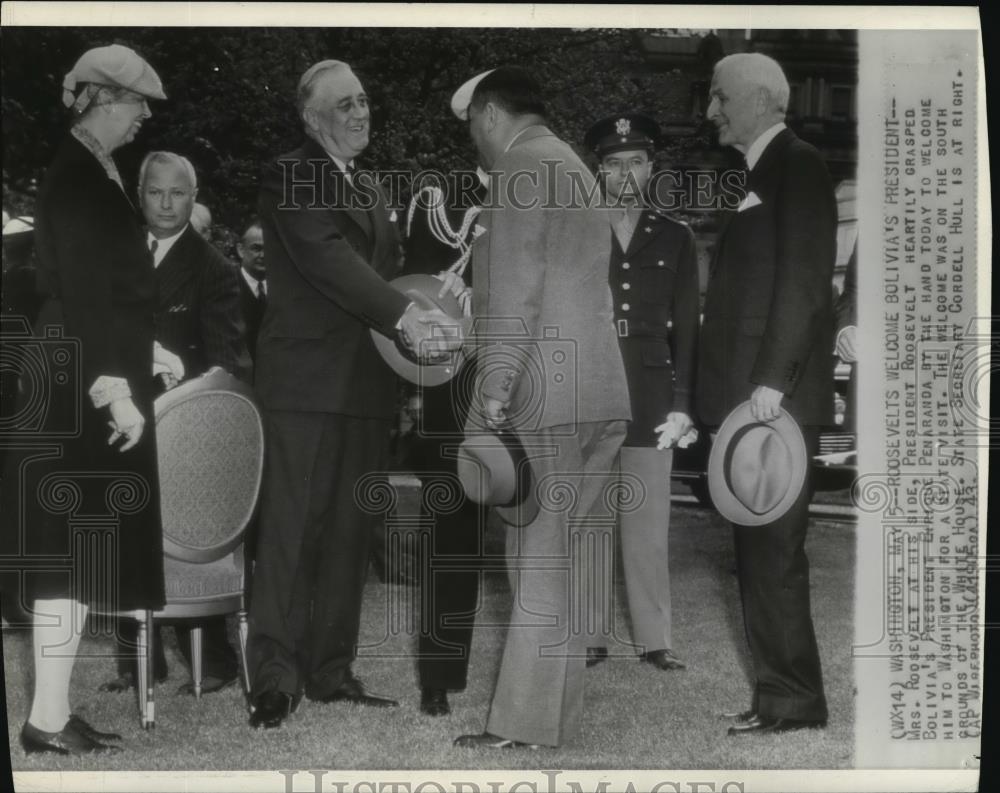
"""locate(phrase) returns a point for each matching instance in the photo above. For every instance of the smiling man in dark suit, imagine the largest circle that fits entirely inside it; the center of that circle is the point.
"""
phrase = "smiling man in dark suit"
(329, 398)
(198, 320)
(766, 337)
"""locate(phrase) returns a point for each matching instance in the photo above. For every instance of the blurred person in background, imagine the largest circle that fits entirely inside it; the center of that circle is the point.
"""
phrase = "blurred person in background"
(201, 220)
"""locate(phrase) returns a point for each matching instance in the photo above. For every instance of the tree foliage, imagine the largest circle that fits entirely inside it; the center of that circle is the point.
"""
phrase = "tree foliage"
(231, 91)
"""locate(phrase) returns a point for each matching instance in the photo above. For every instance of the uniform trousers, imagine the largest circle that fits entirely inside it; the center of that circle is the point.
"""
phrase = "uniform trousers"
(323, 482)
(774, 587)
(555, 564)
(644, 521)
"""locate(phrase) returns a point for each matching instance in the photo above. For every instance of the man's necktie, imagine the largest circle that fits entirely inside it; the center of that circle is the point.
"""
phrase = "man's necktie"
(623, 230)
(261, 296)
(153, 245)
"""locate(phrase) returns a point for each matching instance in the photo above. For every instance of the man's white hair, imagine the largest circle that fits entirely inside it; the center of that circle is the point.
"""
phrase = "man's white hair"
(163, 158)
(760, 71)
(307, 82)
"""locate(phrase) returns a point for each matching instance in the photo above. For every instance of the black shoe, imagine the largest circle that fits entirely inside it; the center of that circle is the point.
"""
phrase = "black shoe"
(351, 690)
(742, 716)
(209, 685)
(126, 682)
(84, 728)
(434, 701)
(67, 741)
(760, 725)
(663, 659)
(270, 709)
(595, 655)
(487, 740)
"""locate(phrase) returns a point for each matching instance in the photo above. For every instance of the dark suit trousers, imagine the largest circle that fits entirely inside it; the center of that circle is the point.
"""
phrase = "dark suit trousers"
(312, 549)
(774, 587)
(449, 589)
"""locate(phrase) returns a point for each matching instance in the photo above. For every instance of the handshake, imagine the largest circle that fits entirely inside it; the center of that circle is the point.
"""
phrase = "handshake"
(430, 333)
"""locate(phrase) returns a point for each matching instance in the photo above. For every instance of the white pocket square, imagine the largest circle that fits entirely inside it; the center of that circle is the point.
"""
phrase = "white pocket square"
(749, 202)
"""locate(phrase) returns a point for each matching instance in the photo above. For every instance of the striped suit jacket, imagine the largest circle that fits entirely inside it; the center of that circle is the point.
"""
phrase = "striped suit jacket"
(198, 314)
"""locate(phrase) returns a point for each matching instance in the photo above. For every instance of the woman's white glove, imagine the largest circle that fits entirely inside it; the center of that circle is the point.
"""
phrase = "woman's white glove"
(165, 362)
(126, 421)
(677, 430)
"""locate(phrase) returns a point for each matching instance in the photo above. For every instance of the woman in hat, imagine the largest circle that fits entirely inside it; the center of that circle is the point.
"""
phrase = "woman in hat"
(91, 509)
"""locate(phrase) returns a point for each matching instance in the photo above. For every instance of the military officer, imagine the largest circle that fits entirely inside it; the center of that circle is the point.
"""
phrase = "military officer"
(654, 283)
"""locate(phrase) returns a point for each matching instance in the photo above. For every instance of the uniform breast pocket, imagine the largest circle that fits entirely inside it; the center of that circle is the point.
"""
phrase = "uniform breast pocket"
(656, 281)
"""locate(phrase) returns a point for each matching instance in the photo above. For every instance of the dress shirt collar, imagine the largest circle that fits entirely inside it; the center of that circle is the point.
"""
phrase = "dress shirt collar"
(757, 147)
(164, 245)
(254, 284)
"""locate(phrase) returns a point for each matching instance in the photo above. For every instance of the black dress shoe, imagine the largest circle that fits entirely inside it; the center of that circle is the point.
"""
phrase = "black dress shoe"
(595, 655)
(67, 741)
(487, 740)
(270, 709)
(125, 682)
(434, 702)
(352, 690)
(745, 715)
(209, 685)
(84, 728)
(761, 725)
(663, 659)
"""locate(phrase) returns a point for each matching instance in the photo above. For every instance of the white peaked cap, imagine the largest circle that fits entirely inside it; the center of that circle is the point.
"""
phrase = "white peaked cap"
(463, 96)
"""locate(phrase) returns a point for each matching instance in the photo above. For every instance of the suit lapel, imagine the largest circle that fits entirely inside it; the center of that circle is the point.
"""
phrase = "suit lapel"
(758, 181)
(174, 271)
(342, 197)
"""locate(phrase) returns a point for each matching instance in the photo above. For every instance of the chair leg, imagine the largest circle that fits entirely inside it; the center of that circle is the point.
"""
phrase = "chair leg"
(244, 630)
(196, 660)
(142, 639)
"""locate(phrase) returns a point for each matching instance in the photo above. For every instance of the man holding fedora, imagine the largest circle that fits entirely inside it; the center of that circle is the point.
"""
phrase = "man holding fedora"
(539, 287)
(766, 341)
(328, 397)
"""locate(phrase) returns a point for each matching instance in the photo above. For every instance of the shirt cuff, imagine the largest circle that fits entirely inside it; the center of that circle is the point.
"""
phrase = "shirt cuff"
(106, 389)
(399, 322)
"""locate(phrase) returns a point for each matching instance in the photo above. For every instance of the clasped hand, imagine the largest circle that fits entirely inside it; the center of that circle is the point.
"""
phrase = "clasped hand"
(430, 334)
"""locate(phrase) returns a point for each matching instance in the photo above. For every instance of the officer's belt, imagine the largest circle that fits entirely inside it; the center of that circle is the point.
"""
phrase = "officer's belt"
(637, 328)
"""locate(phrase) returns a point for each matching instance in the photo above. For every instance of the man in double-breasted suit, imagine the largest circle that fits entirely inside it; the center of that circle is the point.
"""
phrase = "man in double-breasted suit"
(328, 397)
(198, 320)
(549, 363)
(766, 337)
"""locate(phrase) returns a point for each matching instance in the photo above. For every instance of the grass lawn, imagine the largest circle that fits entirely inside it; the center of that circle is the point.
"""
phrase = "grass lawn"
(636, 717)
